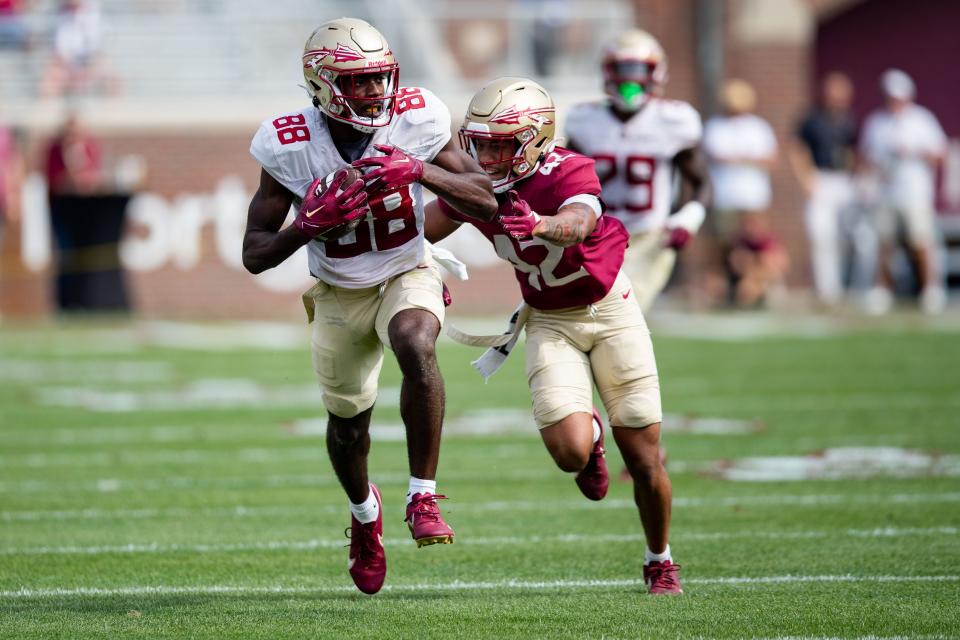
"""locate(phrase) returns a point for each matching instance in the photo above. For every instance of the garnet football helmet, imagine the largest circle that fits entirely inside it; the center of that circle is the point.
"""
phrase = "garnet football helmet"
(634, 68)
(514, 109)
(336, 54)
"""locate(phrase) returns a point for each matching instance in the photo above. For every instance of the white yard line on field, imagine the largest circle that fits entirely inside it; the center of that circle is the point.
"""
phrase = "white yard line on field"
(228, 336)
(838, 463)
(245, 511)
(774, 402)
(522, 585)
(208, 394)
(141, 458)
(870, 637)
(89, 371)
(569, 538)
(252, 482)
(474, 423)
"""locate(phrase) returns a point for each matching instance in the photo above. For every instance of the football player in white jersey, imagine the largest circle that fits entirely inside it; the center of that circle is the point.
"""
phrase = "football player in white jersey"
(377, 283)
(640, 141)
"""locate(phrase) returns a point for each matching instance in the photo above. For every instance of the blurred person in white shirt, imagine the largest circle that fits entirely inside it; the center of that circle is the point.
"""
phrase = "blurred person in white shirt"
(77, 64)
(823, 155)
(903, 144)
(741, 149)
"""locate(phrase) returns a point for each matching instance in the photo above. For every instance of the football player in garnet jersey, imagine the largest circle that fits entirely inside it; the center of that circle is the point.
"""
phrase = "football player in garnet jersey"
(584, 326)
(639, 141)
(376, 281)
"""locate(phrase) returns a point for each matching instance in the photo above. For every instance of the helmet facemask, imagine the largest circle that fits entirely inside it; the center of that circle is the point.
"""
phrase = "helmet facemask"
(518, 160)
(344, 103)
(630, 83)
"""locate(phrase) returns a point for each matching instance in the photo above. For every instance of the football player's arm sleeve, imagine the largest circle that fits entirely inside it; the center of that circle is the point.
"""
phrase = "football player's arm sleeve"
(261, 148)
(458, 179)
(436, 224)
(265, 245)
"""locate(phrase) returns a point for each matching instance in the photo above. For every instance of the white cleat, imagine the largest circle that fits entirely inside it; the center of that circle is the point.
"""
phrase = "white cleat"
(878, 301)
(933, 300)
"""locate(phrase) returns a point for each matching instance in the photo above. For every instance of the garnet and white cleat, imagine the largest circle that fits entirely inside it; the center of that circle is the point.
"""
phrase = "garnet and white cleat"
(593, 479)
(425, 522)
(662, 578)
(368, 560)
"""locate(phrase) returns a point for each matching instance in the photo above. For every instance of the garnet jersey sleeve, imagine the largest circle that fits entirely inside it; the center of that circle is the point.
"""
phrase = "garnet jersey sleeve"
(576, 176)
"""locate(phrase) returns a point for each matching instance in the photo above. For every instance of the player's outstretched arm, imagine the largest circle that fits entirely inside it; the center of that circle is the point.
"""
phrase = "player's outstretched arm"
(686, 220)
(572, 224)
(458, 179)
(436, 224)
(264, 244)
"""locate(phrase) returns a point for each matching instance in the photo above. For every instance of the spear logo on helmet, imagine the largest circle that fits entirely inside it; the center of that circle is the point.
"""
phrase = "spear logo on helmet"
(342, 53)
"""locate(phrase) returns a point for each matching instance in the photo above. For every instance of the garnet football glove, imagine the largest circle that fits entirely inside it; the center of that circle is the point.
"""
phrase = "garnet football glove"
(325, 212)
(447, 298)
(393, 170)
(521, 220)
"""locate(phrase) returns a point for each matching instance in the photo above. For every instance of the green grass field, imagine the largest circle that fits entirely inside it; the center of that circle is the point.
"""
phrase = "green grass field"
(165, 491)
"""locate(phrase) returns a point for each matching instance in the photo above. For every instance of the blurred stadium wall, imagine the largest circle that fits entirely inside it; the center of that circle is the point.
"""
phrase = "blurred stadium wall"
(194, 78)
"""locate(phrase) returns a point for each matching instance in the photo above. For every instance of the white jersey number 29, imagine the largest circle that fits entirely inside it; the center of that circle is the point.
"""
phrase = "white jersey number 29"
(638, 174)
(544, 270)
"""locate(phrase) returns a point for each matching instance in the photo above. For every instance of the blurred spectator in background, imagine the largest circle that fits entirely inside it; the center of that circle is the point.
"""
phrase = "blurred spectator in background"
(904, 144)
(73, 161)
(741, 149)
(549, 25)
(86, 218)
(11, 181)
(77, 66)
(13, 28)
(11, 176)
(823, 156)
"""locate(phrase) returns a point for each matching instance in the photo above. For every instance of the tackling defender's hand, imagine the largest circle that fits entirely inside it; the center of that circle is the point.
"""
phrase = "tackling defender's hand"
(324, 212)
(393, 170)
(522, 220)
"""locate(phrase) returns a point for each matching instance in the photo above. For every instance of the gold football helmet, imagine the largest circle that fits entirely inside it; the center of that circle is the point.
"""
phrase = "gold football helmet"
(337, 53)
(634, 68)
(514, 109)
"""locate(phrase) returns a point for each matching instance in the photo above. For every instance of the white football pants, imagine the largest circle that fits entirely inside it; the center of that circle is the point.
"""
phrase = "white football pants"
(833, 220)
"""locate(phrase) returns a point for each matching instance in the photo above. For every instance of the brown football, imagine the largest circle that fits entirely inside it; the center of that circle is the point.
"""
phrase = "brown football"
(352, 176)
